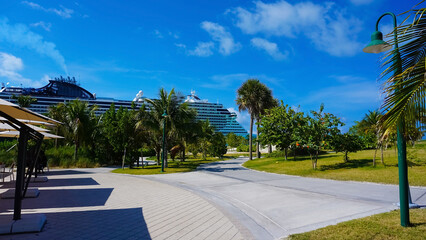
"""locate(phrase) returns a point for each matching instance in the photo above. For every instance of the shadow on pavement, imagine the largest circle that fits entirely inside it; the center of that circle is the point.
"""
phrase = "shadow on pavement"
(126, 223)
(62, 172)
(218, 169)
(62, 198)
(65, 182)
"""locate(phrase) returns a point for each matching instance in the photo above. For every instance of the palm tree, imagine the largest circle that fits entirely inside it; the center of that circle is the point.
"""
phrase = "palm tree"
(406, 97)
(205, 137)
(24, 101)
(371, 124)
(179, 116)
(57, 112)
(78, 120)
(254, 97)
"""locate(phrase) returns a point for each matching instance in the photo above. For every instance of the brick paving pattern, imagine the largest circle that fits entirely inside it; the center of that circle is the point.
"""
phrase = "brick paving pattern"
(96, 204)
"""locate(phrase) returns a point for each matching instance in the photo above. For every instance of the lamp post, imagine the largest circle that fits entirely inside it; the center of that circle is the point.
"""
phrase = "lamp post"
(377, 45)
(163, 156)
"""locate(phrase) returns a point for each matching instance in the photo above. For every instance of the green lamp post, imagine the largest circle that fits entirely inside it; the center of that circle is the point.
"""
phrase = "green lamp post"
(377, 45)
(163, 156)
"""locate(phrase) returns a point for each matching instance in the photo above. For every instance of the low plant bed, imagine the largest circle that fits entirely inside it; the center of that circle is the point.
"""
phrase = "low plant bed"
(380, 226)
(358, 168)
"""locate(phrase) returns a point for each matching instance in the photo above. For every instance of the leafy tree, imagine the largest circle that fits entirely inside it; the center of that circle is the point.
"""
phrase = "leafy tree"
(278, 127)
(24, 100)
(205, 137)
(233, 140)
(218, 145)
(317, 130)
(346, 143)
(254, 97)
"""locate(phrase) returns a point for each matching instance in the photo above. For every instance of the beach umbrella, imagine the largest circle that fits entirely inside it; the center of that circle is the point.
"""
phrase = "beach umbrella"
(6, 127)
(18, 112)
(15, 134)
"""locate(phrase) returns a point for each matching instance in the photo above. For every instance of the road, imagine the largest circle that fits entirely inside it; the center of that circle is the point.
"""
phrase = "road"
(272, 206)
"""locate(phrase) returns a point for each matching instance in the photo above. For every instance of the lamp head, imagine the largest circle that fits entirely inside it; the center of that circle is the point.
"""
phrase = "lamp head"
(377, 45)
(164, 114)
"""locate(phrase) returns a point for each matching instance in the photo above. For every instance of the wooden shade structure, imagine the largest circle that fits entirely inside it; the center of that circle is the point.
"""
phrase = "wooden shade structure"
(18, 118)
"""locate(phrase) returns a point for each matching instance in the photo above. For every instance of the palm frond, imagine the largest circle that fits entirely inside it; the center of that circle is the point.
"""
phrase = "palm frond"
(405, 91)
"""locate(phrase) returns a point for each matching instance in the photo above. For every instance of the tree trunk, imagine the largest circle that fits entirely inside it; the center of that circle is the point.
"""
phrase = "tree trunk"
(257, 141)
(316, 160)
(183, 153)
(374, 157)
(285, 152)
(141, 158)
(158, 153)
(294, 153)
(250, 138)
(381, 157)
(124, 157)
(75, 150)
(270, 148)
(346, 156)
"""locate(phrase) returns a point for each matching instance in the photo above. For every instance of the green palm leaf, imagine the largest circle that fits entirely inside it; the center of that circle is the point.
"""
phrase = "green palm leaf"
(405, 92)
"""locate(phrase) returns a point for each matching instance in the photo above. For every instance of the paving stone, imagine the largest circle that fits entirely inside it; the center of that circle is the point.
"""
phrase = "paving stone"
(97, 204)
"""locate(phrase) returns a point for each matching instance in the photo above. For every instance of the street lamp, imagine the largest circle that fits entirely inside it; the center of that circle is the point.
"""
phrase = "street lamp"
(377, 45)
(163, 156)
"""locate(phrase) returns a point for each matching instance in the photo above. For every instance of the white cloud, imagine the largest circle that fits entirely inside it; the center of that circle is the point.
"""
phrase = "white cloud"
(232, 81)
(63, 12)
(9, 69)
(21, 36)
(174, 35)
(327, 27)
(352, 95)
(227, 45)
(347, 78)
(45, 26)
(158, 34)
(10, 63)
(269, 47)
(203, 49)
(361, 2)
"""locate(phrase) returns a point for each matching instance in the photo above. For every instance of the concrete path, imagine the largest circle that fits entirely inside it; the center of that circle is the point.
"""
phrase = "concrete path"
(97, 204)
(274, 206)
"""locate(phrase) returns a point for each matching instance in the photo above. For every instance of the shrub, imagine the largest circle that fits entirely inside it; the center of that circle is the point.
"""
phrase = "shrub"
(245, 148)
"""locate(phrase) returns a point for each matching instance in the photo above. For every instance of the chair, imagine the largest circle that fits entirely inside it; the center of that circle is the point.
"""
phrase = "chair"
(4, 173)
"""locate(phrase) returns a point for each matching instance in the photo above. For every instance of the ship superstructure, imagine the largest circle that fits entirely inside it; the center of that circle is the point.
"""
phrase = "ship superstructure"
(63, 90)
(219, 117)
(60, 90)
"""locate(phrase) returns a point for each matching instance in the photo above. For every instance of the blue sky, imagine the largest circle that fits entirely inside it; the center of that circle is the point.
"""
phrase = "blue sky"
(307, 52)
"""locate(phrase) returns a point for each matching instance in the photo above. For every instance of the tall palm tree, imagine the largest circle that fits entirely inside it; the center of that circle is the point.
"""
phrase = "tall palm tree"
(371, 124)
(78, 120)
(179, 115)
(254, 97)
(58, 112)
(406, 91)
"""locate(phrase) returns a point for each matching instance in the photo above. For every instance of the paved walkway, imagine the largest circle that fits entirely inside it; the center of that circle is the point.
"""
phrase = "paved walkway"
(96, 204)
(221, 200)
(274, 206)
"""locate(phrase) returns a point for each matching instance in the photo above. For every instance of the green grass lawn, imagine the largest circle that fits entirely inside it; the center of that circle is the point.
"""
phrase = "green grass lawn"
(190, 164)
(380, 226)
(359, 167)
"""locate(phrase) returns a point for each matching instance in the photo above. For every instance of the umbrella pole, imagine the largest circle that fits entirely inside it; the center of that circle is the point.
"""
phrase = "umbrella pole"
(22, 151)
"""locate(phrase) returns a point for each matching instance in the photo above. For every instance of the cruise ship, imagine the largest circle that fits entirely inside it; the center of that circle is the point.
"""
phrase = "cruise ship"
(221, 118)
(60, 90)
(63, 90)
